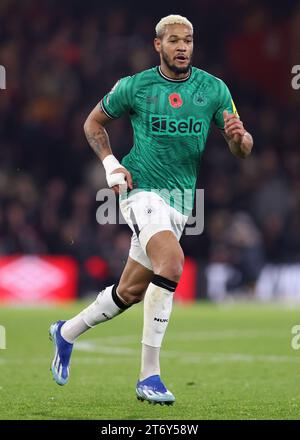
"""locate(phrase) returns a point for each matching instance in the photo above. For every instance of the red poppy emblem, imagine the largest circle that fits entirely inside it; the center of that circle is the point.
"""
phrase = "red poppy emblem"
(175, 100)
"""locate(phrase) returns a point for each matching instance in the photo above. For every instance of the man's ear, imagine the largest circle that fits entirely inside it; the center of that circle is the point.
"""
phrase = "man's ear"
(157, 44)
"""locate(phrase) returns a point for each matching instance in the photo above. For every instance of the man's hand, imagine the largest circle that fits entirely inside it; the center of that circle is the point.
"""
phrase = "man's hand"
(127, 180)
(239, 140)
(118, 178)
(233, 127)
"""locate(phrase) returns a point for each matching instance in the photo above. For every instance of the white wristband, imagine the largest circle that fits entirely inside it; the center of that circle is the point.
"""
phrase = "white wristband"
(111, 164)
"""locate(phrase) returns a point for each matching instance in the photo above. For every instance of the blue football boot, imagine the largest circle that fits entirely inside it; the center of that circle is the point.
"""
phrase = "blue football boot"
(63, 350)
(153, 390)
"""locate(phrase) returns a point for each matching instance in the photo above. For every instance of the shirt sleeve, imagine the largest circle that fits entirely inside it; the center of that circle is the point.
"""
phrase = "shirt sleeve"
(119, 100)
(225, 103)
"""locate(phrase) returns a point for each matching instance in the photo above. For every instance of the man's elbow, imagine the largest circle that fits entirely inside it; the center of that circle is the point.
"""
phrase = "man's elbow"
(86, 126)
(91, 126)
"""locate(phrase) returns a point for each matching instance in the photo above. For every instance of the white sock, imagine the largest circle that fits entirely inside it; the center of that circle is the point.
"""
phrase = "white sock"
(73, 328)
(157, 310)
(107, 305)
(150, 361)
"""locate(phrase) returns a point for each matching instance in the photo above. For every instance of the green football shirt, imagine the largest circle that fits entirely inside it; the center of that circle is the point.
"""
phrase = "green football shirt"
(170, 120)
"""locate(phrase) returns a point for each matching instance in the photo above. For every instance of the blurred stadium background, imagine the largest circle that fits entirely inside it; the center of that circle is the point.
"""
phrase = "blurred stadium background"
(60, 59)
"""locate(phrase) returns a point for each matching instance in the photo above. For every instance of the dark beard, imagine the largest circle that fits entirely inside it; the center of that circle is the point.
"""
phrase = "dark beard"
(172, 67)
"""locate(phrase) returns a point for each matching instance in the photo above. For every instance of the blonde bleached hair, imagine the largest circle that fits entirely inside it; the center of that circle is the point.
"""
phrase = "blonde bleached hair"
(171, 19)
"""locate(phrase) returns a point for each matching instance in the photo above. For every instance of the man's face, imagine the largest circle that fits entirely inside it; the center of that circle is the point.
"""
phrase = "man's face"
(176, 47)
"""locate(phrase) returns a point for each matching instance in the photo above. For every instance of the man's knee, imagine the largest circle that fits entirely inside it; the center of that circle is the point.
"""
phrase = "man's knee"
(166, 255)
(171, 268)
(170, 265)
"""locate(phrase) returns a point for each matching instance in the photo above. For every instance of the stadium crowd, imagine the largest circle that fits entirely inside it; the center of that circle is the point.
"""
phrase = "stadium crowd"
(62, 57)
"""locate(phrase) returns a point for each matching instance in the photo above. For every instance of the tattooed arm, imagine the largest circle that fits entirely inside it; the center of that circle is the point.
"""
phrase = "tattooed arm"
(98, 139)
(96, 134)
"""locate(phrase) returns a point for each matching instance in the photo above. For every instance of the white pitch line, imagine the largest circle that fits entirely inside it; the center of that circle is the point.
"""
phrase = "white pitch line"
(75, 361)
(229, 334)
(182, 357)
(92, 347)
(122, 339)
(200, 335)
(191, 357)
(219, 358)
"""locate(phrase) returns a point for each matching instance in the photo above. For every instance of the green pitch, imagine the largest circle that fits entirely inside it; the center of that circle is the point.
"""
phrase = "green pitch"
(221, 362)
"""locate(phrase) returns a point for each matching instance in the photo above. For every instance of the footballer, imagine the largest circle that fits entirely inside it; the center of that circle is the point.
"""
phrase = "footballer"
(171, 108)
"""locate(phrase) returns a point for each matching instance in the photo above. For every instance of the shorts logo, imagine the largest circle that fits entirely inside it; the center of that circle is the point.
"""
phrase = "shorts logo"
(149, 210)
(175, 100)
(166, 126)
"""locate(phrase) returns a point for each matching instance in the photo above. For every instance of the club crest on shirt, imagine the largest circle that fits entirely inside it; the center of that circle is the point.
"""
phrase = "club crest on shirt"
(200, 99)
(175, 100)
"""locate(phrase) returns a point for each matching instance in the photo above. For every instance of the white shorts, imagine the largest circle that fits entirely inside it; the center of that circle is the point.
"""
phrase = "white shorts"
(146, 213)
